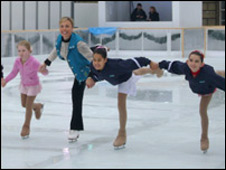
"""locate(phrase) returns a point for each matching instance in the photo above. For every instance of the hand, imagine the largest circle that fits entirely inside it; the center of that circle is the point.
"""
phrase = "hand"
(44, 71)
(154, 65)
(3, 83)
(42, 67)
(90, 82)
(159, 73)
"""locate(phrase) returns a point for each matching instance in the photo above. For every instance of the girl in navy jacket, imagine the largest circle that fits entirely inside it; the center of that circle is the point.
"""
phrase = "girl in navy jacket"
(203, 80)
(117, 72)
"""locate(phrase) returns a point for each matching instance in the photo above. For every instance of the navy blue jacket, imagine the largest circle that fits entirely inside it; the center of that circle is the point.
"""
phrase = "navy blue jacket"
(2, 72)
(204, 83)
(117, 71)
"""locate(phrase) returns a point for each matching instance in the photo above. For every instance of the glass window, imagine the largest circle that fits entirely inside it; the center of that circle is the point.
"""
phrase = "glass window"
(222, 4)
(138, 11)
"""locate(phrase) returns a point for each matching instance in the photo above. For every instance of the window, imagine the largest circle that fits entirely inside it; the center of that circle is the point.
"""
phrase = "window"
(210, 12)
(118, 11)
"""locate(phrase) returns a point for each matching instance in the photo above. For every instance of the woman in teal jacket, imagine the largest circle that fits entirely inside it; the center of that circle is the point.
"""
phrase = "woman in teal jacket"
(71, 48)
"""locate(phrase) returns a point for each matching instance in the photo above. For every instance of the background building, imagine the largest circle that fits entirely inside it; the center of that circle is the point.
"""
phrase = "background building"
(26, 15)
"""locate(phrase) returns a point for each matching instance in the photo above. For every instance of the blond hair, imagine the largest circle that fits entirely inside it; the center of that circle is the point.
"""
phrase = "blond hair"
(67, 19)
(26, 44)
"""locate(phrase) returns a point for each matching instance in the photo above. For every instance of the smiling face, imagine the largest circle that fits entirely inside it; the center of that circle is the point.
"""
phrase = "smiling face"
(23, 52)
(66, 29)
(194, 62)
(99, 62)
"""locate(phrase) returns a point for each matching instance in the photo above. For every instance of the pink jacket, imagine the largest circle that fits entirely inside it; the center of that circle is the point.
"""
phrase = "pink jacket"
(28, 71)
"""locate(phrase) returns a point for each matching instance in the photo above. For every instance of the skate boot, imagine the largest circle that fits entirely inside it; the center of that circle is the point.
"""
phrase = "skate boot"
(73, 136)
(120, 140)
(25, 132)
(204, 144)
(39, 111)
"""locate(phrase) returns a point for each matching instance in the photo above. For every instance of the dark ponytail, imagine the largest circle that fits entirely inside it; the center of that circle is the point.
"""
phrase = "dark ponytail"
(101, 50)
(200, 54)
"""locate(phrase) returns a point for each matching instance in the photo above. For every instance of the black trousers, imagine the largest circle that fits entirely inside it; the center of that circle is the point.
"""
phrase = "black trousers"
(77, 101)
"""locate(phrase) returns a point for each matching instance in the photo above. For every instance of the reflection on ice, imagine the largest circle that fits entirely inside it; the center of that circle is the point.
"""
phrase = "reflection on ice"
(146, 95)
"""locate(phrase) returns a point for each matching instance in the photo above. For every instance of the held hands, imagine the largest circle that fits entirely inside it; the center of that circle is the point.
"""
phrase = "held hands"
(42, 68)
(3, 82)
(154, 65)
(156, 70)
(90, 82)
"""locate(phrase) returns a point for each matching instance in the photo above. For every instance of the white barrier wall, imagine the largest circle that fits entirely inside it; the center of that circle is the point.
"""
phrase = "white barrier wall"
(86, 14)
(30, 15)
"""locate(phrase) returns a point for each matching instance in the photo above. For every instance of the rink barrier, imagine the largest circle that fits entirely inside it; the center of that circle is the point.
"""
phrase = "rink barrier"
(202, 42)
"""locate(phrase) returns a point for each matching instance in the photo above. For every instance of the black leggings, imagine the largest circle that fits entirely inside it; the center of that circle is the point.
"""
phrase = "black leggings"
(77, 100)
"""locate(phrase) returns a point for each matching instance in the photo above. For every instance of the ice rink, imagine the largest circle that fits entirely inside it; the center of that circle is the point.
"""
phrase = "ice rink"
(163, 124)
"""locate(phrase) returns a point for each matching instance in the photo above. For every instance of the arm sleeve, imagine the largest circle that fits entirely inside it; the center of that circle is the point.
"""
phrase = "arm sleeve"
(92, 74)
(52, 57)
(216, 80)
(175, 67)
(134, 63)
(145, 16)
(13, 73)
(2, 73)
(84, 49)
(37, 66)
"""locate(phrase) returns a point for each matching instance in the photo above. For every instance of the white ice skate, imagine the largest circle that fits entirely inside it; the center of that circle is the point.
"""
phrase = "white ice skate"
(25, 137)
(38, 114)
(73, 136)
(120, 147)
(204, 145)
(120, 141)
(25, 132)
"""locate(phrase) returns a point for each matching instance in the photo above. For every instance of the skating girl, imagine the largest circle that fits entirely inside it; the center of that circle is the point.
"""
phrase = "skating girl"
(30, 86)
(203, 80)
(117, 72)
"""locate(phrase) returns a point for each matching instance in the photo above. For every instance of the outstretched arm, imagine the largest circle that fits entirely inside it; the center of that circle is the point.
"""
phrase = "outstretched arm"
(217, 79)
(175, 67)
(44, 71)
(154, 69)
(221, 73)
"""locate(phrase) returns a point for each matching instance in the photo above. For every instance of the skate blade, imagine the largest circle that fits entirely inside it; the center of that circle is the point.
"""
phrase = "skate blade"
(120, 147)
(25, 137)
(72, 140)
(205, 151)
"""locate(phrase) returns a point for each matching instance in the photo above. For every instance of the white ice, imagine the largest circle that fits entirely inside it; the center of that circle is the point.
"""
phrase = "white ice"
(163, 125)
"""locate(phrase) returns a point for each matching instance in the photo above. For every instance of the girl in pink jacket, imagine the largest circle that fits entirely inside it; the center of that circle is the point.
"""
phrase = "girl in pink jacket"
(30, 85)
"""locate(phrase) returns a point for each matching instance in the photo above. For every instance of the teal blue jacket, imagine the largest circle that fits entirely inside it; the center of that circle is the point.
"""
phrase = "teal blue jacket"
(79, 65)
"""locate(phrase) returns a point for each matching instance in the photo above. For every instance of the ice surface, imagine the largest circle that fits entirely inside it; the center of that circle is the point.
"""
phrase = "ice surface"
(163, 125)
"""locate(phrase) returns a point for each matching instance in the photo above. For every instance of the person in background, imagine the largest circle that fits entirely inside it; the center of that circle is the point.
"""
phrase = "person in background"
(153, 14)
(138, 14)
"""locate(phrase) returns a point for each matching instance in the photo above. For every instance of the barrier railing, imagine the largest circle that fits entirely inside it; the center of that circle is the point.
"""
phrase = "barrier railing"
(167, 40)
